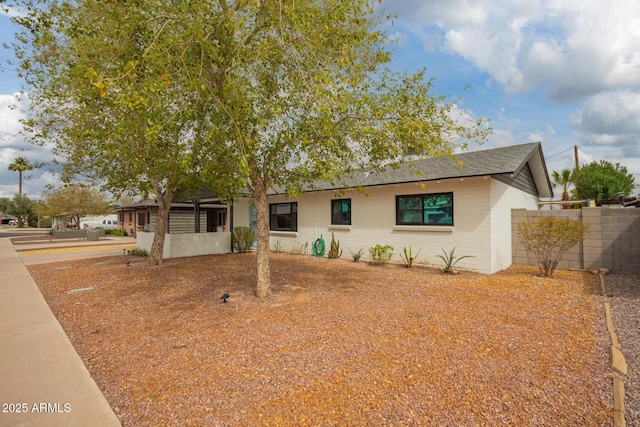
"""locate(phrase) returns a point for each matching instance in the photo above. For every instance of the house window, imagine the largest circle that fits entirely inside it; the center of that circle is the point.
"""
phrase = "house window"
(284, 216)
(341, 212)
(425, 209)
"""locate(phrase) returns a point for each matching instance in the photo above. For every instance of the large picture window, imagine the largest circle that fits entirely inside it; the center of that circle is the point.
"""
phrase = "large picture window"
(283, 216)
(341, 212)
(425, 209)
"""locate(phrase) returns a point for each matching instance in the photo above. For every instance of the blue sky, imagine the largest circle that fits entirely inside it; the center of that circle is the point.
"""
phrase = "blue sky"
(561, 72)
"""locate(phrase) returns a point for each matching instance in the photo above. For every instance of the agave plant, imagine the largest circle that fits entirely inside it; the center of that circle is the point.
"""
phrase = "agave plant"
(407, 256)
(450, 261)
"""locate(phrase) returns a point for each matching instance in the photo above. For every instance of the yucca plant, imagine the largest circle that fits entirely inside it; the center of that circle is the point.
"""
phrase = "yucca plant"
(407, 256)
(450, 261)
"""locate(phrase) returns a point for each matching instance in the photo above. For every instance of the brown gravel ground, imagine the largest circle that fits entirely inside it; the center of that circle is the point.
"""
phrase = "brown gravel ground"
(623, 291)
(338, 344)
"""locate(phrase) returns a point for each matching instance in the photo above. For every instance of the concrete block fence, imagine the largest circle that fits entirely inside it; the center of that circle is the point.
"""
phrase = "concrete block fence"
(613, 241)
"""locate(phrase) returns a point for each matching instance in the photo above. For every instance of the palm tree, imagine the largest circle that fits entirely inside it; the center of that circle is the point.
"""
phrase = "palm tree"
(20, 164)
(563, 180)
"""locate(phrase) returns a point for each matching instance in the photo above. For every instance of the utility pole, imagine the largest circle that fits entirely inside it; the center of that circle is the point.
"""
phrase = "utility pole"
(575, 154)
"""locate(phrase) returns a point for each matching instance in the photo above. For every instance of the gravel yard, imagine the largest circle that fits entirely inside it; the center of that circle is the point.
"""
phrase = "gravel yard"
(624, 296)
(339, 343)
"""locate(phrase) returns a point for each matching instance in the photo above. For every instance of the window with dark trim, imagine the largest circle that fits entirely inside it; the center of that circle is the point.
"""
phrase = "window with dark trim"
(341, 212)
(425, 209)
(283, 216)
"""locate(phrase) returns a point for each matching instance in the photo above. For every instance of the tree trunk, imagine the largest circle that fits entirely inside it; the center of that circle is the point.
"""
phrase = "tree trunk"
(19, 182)
(565, 196)
(263, 285)
(164, 207)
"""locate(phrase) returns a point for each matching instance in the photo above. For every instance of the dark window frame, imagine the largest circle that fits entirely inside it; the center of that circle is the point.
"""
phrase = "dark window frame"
(340, 203)
(276, 218)
(422, 209)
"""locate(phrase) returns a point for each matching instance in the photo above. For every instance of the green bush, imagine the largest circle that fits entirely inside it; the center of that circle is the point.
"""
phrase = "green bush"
(334, 249)
(115, 232)
(381, 254)
(549, 238)
(242, 238)
(138, 252)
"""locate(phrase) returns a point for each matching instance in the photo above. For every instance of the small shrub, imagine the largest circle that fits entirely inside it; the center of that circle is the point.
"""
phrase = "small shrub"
(138, 252)
(334, 248)
(242, 238)
(381, 254)
(357, 254)
(115, 232)
(550, 238)
(297, 248)
(450, 261)
(277, 247)
(407, 256)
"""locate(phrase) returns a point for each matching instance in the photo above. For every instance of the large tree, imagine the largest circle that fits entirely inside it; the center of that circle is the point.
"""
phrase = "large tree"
(602, 180)
(104, 94)
(20, 164)
(21, 207)
(301, 91)
(75, 201)
(273, 94)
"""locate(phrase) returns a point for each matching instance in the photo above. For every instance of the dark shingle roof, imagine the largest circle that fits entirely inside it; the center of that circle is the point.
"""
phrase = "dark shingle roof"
(494, 161)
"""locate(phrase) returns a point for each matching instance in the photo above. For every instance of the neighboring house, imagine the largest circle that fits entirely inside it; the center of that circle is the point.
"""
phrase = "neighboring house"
(426, 204)
(194, 228)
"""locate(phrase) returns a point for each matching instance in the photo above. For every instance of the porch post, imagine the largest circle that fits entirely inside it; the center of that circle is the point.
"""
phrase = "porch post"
(196, 216)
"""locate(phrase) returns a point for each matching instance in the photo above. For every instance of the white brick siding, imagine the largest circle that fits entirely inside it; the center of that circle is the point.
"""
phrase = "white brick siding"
(482, 218)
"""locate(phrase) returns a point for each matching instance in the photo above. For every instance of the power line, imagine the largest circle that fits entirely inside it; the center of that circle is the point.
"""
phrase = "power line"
(557, 154)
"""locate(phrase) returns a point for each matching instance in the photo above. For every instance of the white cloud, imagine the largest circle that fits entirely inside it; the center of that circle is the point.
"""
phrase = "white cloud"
(572, 49)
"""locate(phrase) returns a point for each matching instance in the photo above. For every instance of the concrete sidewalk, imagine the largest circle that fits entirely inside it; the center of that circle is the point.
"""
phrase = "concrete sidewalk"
(43, 381)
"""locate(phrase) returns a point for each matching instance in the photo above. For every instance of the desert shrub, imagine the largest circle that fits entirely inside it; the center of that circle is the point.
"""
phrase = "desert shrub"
(334, 248)
(242, 238)
(407, 256)
(356, 255)
(381, 254)
(450, 260)
(138, 252)
(277, 247)
(115, 232)
(298, 248)
(549, 239)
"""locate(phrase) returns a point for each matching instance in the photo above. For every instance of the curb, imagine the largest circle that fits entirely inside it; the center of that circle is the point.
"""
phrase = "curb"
(617, 360)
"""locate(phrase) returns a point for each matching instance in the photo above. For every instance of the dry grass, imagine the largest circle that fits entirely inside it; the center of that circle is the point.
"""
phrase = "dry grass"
(339, 343)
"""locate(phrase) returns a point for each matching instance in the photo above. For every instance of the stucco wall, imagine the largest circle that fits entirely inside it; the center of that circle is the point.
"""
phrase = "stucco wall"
(503, 199)
(189, 244)
(373, 220)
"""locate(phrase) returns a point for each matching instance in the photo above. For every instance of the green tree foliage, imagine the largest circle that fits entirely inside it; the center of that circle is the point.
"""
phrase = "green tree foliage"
(4, 204)
(105, 93)
(75, 201)
(21, 207)
(261, 95)
(602, 180)
(20, 164)
(549, 238)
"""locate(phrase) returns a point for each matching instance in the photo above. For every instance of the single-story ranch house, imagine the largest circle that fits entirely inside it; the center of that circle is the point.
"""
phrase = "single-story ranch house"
(427, 204)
